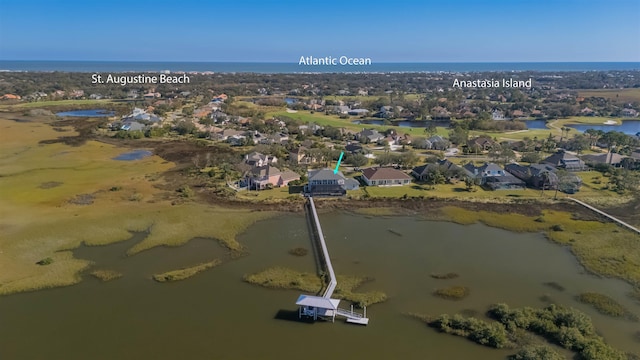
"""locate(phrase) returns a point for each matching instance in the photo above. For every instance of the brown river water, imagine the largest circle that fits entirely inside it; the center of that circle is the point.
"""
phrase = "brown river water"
(215, 315)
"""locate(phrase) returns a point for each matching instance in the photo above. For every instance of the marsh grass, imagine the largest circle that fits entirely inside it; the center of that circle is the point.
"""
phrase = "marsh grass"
(106, 275)
(299, 251)
(185, 273)
(606, 305)
(285, 278)
(554, 285)
(445, 276)
(376, 211)
(452, 292)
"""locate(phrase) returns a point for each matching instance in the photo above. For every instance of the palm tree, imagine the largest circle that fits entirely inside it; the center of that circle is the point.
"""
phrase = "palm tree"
(545, 181)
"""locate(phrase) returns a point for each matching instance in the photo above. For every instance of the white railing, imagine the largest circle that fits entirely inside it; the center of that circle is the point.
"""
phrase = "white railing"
(348, 313)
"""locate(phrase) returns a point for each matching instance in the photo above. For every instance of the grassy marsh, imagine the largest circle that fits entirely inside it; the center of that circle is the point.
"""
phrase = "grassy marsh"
(452, 292)
(106, 275)
(39, 222)
(185, 273)
(285, 278)
(606, 305)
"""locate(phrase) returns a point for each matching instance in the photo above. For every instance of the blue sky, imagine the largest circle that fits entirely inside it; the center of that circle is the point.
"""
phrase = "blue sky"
(282, 31)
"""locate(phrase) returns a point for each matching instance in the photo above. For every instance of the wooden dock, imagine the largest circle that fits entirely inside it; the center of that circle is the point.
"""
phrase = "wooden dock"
(324, 306)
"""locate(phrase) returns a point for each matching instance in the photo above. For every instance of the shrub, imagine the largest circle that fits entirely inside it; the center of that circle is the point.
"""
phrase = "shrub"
(185, 191)
(444, 276)
(45, 261)
(557, 227)
(298, 251)
(452, 292)
(536, 352)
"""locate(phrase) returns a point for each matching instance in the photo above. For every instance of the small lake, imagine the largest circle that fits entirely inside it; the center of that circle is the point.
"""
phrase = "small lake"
(133, 155)
(215, 315)
(87, 113)
(290, 101)
(536, 124)
(629, 127)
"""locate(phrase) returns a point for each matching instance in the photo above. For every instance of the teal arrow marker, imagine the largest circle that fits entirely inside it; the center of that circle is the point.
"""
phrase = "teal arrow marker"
(335, 171)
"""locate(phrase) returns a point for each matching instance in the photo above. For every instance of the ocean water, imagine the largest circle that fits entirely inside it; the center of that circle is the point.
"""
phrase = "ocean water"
(293, 67)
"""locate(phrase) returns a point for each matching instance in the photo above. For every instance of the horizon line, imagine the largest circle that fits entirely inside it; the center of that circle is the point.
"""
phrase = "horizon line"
(293, 62)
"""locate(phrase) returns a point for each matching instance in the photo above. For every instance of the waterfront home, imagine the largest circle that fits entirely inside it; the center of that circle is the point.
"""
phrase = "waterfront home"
(538, 176)
(264, 177)
(483, 171)
(132, 126)
(325, 182)
(503, 182)
(385, 176)
(445, 167)
(608, 158)
(564, 160)
(628, 112)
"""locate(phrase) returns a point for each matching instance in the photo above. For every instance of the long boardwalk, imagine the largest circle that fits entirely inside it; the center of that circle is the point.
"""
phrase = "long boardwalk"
(352, 316)
(630, 227)
(331, 286)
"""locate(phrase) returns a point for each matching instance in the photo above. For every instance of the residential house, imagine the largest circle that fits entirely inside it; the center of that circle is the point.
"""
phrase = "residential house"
(369, 135)
(301, 156)
(10, 97)
(140, 115)
(480, 144)
(538, 176)
(358, 112)
(385, 176)
(564, 160)
(270, 139)
(446, 167)
(132, 126)
(483, 171)
(354, 148)
(587, 112)
(493, 177)
(325, 182)
(628, 112)
(438, 143)
(505, 182)
(498, 115)
(264, 177)
(258, 159)
(440, 113)
(608, 158)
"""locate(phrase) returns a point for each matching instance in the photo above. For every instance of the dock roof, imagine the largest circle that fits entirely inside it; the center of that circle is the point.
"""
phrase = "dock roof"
(318, 302)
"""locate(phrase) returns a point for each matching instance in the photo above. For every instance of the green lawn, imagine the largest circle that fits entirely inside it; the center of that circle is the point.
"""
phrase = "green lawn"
(335, 121)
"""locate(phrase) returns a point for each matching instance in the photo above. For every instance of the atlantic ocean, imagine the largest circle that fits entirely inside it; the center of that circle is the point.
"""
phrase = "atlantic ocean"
(275, 68)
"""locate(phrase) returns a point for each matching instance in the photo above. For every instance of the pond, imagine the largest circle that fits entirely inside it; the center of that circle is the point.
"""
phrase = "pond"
(215, 315)
(87, 113)
(629, 127)
(536, 124)
(133, 155)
